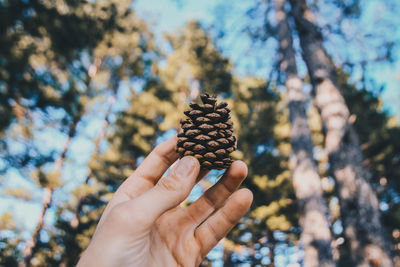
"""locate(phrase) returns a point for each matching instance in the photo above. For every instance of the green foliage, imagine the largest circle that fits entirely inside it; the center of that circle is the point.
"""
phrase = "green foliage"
(262, 128)
(37, 48)
(66, 63)
(195, 58)
(19, 192)
(9, 252)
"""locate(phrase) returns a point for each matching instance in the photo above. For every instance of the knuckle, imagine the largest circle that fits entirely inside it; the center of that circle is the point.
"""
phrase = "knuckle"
(228, 217)
(171, 183)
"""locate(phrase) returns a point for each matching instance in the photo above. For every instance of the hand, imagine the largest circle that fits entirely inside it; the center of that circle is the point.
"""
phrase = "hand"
(143, 224)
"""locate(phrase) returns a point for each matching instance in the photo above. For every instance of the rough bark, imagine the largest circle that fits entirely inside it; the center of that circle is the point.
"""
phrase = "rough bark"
(316, 235)
(359, 204)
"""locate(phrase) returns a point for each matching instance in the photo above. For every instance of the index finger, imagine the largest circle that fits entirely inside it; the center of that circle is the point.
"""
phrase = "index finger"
(151, 169)
(145, 176)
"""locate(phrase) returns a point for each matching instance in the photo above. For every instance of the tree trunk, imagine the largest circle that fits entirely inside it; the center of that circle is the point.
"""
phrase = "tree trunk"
(359, 205)
(227, 258)
(32, 245)
(271, 245)
(316, 235)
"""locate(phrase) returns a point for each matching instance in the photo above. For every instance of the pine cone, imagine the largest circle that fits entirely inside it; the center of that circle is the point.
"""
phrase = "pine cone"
(207, 134)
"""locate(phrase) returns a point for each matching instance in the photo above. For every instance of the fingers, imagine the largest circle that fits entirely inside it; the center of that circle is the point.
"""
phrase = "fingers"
(151, 169)
(145, 176)
(219, 224)
(159, 160)
(216, 196)
(168, 193)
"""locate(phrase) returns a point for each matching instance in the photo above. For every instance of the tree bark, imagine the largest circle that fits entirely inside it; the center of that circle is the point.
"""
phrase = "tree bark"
(227, 258)
(359, 204)
(32, 245)
(271, 245)
(316, 235)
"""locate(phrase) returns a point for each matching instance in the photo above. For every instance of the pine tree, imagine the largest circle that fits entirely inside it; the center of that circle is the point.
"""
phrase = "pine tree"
(378, 132)
(51, 180)
(44, 71)
(57, 73)
(126, 56)
(195, 57)
(38, 75)
(266, 149)
(359, 205)
(38, 35)
(252, 105)
(316, 236)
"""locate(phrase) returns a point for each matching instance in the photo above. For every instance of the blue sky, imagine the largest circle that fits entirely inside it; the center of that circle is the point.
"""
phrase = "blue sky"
(167, 15)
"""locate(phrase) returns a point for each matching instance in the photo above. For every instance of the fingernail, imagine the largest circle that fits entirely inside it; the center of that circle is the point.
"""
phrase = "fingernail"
(185, 166)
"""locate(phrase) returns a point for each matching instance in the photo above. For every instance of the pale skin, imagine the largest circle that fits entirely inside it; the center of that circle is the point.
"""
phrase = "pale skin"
(144, 224)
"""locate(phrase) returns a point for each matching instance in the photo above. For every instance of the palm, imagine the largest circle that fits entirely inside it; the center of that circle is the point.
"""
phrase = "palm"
(173, 241)
(145, 226)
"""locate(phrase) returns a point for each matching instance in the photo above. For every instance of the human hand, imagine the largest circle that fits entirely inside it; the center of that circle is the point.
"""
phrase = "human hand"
(143, 224)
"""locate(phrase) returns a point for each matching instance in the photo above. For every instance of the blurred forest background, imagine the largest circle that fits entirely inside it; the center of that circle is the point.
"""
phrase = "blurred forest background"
(89, 87)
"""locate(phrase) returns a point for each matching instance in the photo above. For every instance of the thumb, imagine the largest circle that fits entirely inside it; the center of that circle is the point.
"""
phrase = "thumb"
(170, 190)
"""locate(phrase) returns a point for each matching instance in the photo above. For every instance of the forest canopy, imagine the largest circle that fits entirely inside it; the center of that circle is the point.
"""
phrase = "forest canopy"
(89, 88)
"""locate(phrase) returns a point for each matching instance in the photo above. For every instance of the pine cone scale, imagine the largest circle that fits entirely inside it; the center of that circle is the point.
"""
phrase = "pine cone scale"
(207, 134)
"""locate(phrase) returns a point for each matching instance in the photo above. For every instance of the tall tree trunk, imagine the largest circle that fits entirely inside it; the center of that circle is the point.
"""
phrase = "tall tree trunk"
(359, 204)
(316, 235)
(227, 258)
(31, 246)
(271, 245)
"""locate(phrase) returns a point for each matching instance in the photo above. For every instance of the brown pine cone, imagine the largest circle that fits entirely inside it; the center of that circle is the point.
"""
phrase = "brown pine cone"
(207, 134)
